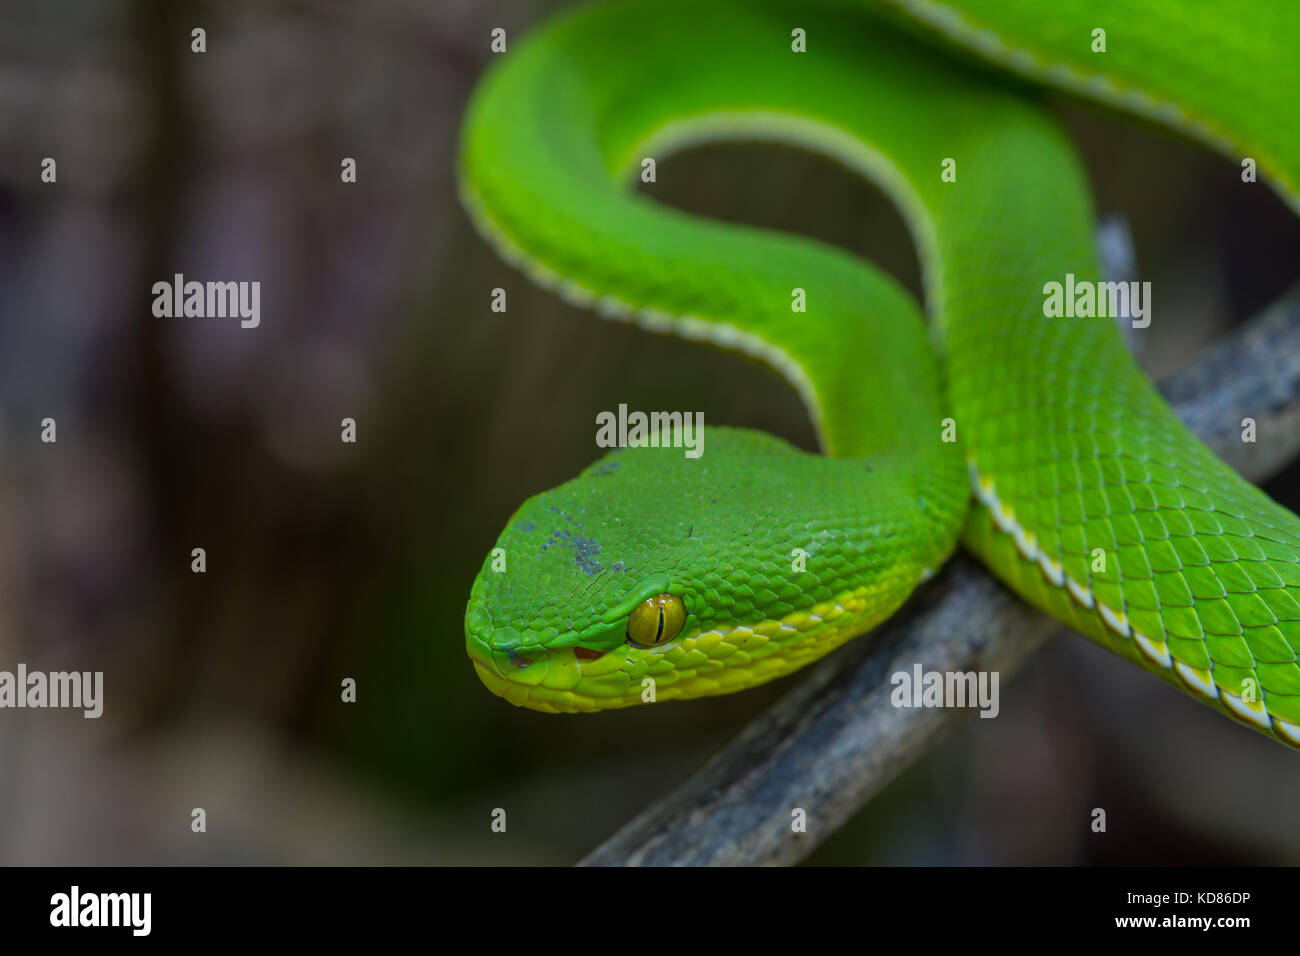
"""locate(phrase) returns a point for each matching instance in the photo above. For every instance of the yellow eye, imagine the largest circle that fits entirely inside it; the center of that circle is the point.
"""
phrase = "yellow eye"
(656, 620)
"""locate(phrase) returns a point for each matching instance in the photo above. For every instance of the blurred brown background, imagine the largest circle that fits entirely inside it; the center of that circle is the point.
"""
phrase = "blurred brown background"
(326, 560)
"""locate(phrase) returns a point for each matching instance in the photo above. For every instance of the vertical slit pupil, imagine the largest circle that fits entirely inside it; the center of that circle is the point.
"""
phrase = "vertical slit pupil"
(660, 633)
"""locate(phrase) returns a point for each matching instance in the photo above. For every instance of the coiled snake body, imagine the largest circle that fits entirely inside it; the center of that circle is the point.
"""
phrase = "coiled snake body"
(1069, 477)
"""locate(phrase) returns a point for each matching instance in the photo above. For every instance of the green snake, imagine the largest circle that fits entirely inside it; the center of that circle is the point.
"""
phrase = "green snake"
(1035, 441)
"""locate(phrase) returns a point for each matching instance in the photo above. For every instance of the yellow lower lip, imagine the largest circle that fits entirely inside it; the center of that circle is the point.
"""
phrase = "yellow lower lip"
(490, 678)
(537, 693)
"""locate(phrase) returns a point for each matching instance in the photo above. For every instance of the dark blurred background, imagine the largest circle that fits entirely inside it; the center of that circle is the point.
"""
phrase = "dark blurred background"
(328, 560)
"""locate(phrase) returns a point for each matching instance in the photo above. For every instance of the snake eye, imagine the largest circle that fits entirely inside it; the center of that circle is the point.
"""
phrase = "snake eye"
(656, 620)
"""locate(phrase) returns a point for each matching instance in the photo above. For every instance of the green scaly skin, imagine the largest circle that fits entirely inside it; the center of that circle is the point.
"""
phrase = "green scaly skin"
(1070, 451)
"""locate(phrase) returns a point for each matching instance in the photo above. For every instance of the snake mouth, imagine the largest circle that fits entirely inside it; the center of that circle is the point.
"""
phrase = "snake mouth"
(554, 680)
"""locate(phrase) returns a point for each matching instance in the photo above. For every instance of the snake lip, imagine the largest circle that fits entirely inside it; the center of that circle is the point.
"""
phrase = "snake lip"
(486, 671)
(483, 662)
(587, 653)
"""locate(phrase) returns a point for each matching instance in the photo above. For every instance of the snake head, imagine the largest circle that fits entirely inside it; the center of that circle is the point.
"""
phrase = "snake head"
(652, 576)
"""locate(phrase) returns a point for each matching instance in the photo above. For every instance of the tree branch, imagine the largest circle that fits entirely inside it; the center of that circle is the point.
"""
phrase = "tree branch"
(835, 740)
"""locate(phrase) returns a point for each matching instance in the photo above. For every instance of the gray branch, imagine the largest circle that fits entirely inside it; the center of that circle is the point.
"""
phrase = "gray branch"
(835, 740)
